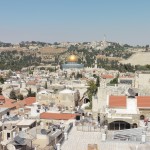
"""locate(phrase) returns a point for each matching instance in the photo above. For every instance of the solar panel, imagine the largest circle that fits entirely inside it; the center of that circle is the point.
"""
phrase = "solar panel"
(19, 140)
(22, 134)
(14, 118)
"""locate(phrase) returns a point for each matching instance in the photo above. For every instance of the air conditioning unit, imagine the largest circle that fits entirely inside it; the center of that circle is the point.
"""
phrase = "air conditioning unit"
(21, 109)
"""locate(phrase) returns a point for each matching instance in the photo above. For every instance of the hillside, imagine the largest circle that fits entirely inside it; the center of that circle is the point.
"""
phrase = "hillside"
(140, 58)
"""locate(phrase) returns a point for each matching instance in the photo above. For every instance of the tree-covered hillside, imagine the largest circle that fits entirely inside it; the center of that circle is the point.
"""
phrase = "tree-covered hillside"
(16, 60)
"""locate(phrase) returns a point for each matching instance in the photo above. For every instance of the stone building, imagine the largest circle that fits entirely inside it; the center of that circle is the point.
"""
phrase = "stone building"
(67, 98)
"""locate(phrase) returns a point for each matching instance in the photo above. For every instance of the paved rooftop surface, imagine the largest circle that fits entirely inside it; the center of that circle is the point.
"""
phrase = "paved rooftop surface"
(79, 140)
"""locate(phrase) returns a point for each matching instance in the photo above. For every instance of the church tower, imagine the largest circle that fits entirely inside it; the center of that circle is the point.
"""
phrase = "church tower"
(95, 64)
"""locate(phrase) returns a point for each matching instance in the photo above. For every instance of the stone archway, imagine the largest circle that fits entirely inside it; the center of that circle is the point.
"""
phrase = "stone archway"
(119, 125)
(134, 125)
(142, 117)
(86, 100)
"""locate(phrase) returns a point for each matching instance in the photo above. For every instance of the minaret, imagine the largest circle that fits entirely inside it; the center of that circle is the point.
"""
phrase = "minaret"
(95, 63)
(104, 38)
(104, 41)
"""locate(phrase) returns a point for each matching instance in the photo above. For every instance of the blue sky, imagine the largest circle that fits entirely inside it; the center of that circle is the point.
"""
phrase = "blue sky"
(124, 21)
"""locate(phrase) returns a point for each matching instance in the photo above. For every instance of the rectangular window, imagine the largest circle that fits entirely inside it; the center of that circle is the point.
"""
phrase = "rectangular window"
(8, 136)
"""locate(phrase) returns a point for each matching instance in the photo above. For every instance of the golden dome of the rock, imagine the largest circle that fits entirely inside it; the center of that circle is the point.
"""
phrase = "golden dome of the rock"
(72, 58)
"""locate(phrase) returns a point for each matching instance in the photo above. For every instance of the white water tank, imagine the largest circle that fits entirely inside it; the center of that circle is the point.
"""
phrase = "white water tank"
(66, 135)
(103, 137)
(143, 138)
(58, 146)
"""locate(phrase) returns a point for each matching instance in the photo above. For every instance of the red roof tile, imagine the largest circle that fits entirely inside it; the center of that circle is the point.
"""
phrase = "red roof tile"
(30, 100)
(117, 101)
(57, 116)
(9, 103)
(26, 102)
(128, 77)
(143, 101)
(31, 83)
(2, 97)
(107, 76)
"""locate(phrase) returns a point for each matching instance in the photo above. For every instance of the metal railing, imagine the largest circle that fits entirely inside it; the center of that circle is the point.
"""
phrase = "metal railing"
(88, 128)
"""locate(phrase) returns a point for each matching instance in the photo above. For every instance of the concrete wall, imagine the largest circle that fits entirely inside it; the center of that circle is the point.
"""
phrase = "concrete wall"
(67, 99)
(142, 81)
(44, 98)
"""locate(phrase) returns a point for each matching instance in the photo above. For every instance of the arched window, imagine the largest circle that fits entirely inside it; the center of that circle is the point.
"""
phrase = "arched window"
(134, 125)
(119, 125)
(142, 117)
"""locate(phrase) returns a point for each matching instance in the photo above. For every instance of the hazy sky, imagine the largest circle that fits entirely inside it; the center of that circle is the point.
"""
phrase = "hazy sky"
(124, 21)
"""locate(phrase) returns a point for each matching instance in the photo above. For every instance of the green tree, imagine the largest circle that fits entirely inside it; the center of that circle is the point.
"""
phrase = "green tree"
(55, 43)
(73, 74)
(0, 91)
(30, 72)
(30, 93)
(115, 80)
(78, 75)
(94, 75)
(97, 81)
(1, 80)
(45, 85)
(12, 95)
(9, 74)
(146, 47)
(42, 68)
(91, 90)
(20, 97)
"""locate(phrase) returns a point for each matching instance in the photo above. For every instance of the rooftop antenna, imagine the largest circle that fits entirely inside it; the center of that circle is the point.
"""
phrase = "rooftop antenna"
(104, 37)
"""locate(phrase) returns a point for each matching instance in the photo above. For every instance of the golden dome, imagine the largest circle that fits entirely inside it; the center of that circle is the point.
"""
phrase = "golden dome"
(72, 58)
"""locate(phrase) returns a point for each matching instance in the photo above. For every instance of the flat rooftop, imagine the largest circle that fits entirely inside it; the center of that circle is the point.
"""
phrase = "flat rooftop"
(79, 140)
(3, 109)
(26, 122)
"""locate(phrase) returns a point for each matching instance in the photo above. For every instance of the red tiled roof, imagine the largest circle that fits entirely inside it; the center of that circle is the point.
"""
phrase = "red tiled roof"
(31, 83)
(107, 76)
(57, 116)
(26, 102)
(9, 103)
(128, 77)
(30, 100)
(143, 101)
(2, 97)
(117, 101)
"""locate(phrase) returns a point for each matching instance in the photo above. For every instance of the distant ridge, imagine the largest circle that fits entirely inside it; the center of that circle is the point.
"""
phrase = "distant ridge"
(139, 58)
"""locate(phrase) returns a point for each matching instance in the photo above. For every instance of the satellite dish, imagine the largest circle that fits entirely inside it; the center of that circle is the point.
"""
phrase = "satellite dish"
(42, 125)
(131, 92)
(43, 131)
(11, 147)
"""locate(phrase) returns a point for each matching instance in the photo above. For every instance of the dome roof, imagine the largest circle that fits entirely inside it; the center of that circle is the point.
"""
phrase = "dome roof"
(72, 58)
